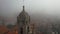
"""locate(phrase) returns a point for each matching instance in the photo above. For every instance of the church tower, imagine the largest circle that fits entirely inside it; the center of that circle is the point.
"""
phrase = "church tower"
(23, 20)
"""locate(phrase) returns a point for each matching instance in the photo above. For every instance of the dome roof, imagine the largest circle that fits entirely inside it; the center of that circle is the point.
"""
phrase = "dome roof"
(23, 13)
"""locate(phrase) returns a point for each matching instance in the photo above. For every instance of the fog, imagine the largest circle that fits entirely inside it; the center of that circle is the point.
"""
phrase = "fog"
(37, 9)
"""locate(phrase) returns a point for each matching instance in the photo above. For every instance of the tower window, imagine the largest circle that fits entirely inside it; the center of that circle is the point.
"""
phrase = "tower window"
(28, 29)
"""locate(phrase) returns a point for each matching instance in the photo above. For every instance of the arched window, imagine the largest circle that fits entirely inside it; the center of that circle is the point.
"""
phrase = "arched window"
(21, 31)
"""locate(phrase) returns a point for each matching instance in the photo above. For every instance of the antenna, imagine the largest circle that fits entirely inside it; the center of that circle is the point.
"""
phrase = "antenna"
(23, 5)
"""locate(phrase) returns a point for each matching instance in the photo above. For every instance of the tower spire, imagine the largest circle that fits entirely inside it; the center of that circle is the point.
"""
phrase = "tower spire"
(23, 6)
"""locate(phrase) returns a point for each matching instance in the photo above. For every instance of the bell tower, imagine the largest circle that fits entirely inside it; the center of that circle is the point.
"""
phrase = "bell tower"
(23, 20)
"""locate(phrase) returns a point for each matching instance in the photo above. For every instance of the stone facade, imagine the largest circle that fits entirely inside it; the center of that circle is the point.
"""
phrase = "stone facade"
(32, 29)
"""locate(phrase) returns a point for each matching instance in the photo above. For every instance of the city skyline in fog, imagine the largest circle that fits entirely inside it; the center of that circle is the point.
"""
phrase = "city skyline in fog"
(11, 8)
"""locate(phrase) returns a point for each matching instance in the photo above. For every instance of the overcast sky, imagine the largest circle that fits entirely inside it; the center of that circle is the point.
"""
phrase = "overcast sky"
(11, 8)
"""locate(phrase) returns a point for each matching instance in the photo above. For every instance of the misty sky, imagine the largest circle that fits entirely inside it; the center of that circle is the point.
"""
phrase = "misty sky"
(11, 8)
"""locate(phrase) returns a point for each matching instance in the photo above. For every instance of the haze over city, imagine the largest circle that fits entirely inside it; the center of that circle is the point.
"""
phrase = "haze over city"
(39, 10)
